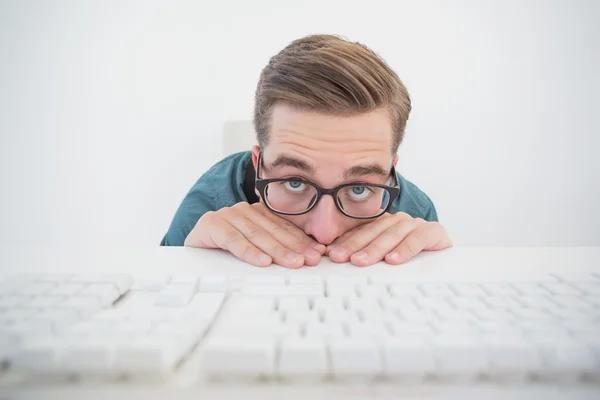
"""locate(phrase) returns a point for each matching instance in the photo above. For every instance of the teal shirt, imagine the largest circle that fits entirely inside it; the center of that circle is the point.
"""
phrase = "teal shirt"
(223, 186)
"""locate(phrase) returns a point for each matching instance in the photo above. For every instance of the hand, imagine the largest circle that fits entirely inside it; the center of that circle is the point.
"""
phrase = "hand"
(255, 235)
(395, 238)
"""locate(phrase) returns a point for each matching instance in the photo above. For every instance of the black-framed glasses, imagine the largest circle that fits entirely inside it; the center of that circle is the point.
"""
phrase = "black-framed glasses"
(295, 196)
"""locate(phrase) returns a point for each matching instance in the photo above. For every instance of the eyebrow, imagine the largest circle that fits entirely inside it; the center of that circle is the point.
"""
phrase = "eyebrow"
(356, 171)
(364, 170)
(287, 161)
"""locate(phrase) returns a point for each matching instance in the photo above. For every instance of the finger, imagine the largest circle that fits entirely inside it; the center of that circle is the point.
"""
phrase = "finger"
(425, 236)
(291, 228)
(223, 235)
(386, 242)
(357, 239)
(290, 236)
(261, 238)
(342, 239)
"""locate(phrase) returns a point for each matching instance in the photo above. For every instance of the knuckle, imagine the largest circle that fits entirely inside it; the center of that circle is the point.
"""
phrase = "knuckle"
(233, 237)
(249, 253)
(410, 247)
(300, 245)
(240, 206)
(256, 232)
(352, 244)
(225, 212)
(209, 217)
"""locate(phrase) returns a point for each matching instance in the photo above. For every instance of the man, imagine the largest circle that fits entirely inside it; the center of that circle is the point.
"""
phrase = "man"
(329, 117)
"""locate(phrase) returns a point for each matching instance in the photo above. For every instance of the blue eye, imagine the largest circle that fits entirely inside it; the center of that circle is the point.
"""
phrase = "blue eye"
(294, 186)
(359, 192)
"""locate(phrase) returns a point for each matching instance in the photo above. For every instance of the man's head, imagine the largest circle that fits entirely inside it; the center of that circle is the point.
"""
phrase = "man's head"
(331, 112)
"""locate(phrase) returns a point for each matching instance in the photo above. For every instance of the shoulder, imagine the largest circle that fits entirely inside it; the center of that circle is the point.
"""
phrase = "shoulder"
(413, 201)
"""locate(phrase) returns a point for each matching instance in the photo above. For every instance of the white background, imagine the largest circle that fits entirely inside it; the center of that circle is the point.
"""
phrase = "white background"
(111, 110)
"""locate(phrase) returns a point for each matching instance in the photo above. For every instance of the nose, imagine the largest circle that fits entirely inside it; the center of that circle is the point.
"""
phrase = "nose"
(323, 223)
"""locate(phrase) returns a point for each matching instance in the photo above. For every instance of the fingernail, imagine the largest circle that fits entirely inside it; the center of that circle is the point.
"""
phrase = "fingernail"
(338, 252)
(292, 257)
(361, 255)
(395, 256)
(312, 254)
(264, 259)
(319, 247)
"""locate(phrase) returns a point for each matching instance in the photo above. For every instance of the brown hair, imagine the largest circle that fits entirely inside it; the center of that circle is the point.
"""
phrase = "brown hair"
(331, 75)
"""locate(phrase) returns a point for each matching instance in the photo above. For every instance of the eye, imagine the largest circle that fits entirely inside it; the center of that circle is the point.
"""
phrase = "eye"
(359, 192)
(294, 186)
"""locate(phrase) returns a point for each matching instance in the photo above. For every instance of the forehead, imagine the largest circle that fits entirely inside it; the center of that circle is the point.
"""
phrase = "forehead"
(320, 137)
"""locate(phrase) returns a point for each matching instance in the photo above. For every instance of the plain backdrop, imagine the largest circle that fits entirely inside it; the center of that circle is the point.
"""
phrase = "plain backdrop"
(111, 110)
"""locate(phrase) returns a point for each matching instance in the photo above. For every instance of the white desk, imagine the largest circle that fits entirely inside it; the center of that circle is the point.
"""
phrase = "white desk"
(455, 264)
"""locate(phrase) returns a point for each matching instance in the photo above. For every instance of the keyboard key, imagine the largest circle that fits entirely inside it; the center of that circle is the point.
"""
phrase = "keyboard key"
(67, 289)
(503, 302)
(232, 356)
(186, 280)
(355, 357)
(562, 288)
(329, 305)
(105, 293)
(43, 302)
(591, 288)
(265, 280)
(531, 289)
(8, 302)
(122, 282)
(408, 356)
(315, 280)
(570, 358)
(14, 315)
(401, 329)
(468, 289)
(325, 331)
(436, 289)
(213, 284)
(87, 355)
(152, 283)
(537, 302)
(500, 289)
(345, 317)
(37, 356)
(301, 317)
(460, 355)
(468, 302)
(533, 314)
(373, 331)
(84, 305)
(464, 327)
(513, 356)
(175, 295)
(291, 303)
(372, 291)
(405, 289)
(303, 357)
(36, 289)
(148, 355)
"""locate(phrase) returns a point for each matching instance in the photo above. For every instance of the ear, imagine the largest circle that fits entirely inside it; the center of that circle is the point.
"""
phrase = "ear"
(396, 160)
(255, 151)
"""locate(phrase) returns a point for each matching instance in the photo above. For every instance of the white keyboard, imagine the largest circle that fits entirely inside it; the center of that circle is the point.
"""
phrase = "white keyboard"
(299, 327)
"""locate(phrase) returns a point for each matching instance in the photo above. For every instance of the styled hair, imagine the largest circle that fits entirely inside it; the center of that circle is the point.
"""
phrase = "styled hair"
(333, 76)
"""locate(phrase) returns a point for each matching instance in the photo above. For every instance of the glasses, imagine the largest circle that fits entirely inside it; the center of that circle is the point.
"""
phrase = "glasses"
(296, 196)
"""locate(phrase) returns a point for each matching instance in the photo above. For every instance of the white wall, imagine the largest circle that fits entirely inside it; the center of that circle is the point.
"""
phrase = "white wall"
(110, 110)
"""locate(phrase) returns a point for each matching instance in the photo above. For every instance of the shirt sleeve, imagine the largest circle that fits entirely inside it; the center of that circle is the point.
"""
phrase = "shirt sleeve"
(199, 200)
(430, 213)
